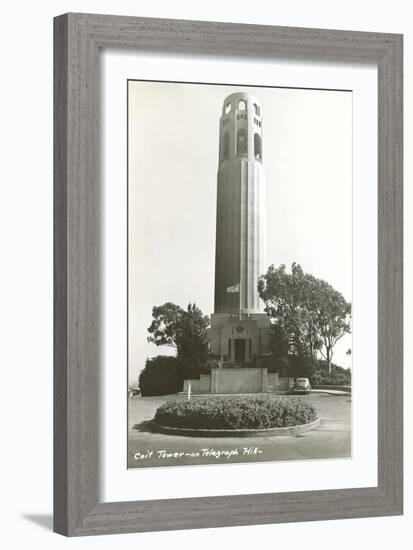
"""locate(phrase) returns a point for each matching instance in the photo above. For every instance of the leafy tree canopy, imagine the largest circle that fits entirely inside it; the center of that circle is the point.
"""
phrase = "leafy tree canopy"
(182, 329)
(313, 314)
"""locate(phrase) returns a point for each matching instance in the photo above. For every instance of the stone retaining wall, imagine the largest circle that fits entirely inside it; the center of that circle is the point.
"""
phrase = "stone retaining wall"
(238, 380)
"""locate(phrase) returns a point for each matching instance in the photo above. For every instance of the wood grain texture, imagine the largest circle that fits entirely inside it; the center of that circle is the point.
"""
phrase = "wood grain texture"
(60, 485)
(78, 39)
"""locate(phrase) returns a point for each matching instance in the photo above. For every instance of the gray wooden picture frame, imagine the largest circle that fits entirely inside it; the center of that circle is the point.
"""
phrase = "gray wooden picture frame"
(77, 506)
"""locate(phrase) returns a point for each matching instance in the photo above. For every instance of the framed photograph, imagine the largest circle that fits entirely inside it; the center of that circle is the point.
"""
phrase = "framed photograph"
(228, 274)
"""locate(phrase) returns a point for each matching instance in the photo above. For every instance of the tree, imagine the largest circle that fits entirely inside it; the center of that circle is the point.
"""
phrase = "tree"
(279, 346)
(333, 316)
(163, 329)
(184, 330)
(310, 311)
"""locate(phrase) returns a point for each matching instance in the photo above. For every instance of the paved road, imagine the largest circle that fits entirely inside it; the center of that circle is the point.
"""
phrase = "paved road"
(332, 439)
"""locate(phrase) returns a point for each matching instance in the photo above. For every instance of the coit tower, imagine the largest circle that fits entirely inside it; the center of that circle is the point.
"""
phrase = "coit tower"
(240, 239)
(240, 232)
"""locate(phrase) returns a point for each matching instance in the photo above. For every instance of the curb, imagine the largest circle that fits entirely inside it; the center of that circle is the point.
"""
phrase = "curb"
(201, 432)
(332, 388)
(337, 393)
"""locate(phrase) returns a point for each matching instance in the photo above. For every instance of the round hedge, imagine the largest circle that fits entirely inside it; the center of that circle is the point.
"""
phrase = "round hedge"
(236, 412)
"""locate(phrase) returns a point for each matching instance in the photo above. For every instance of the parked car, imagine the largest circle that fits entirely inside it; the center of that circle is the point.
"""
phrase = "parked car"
(302, 386)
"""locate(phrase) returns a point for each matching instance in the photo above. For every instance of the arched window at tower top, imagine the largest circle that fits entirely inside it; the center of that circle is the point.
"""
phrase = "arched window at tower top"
(256, 109)
(242, 144)
(242, 105)
(257, 147)
(228, 108)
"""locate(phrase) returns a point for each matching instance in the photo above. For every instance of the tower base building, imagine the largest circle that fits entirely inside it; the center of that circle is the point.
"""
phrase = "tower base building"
(239, 341)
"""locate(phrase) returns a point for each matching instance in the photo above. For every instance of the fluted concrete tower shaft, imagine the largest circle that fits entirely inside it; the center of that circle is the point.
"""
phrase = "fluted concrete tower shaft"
(240, 232)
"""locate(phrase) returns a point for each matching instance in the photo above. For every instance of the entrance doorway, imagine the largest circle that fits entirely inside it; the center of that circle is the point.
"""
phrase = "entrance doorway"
(239, 350)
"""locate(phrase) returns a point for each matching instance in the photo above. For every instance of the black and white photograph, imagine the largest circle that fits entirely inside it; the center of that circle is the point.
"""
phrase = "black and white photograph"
(239, 273)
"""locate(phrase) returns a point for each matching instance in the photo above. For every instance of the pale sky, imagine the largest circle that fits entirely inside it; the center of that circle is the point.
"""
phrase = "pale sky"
(173, 162)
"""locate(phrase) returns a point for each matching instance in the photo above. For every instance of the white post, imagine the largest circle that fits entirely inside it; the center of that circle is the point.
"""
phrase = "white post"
(239, 290)
(189, 389)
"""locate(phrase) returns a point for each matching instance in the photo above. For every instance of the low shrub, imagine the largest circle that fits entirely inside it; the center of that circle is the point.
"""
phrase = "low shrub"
(160, 376)
(236, 412)
(339, 377)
